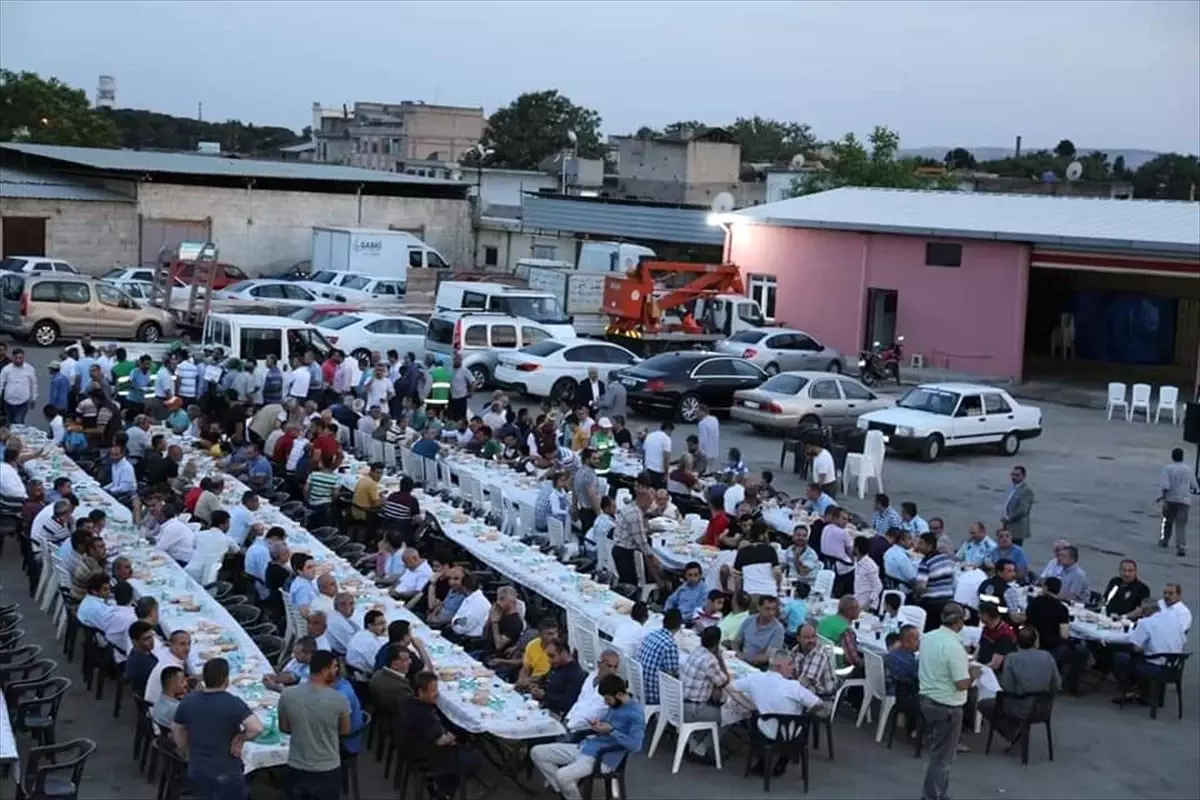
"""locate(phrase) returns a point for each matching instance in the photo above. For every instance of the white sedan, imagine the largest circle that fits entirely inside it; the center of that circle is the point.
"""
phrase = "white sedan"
(269, 291)
(934, 416)
(361, 334)
(353, 287)
(554, 368)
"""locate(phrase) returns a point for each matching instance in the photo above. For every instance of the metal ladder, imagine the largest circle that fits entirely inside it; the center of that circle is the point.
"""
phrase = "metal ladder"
(199, 292)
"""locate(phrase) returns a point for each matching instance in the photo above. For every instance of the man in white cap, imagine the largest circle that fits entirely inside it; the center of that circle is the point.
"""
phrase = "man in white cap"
(277, 432)
(603, 443)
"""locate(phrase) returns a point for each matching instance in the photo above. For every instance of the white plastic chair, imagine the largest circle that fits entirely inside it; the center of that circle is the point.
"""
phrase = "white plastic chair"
(912, 615)
(670, 693)
(556, 531)
(876, 688)
(884, 596)
(639, 567)
(1116, 397)
(1168, 399)
(583, 635)
(631, 670)
(389, 455)
(1141, 400)
(524, 518)
(407, 463)
(866, 465)
(823, 583)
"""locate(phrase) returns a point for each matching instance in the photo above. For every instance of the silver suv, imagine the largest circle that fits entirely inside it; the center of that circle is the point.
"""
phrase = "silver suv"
(44, 307)
(776, 350)
(479, 337)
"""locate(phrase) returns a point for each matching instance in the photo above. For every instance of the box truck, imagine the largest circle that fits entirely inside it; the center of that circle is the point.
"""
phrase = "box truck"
(367, 251)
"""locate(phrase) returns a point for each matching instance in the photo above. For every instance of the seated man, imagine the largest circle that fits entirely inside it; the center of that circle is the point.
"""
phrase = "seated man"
(296, 669)
(428, 740)
(773, 692)
(590, 704)
(1155, 634)
(1025, 672)
(560, 689)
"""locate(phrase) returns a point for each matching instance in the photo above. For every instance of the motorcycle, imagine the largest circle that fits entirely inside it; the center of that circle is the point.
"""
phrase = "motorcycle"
(879, 364)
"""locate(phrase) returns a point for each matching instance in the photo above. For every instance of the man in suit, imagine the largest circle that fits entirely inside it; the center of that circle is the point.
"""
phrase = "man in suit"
(589, 392)
(1017, 507)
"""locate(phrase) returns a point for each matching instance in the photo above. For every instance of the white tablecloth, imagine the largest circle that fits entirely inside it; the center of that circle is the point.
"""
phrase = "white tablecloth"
(8, 742)
(1083, 629)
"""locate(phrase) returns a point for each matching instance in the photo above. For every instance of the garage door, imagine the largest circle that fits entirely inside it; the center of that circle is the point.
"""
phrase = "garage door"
(157, 234)
(24, 236)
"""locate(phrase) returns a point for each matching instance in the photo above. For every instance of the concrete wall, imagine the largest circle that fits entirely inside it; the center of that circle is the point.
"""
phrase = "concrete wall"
(970, 319)
(262, 231)
(713, 162)
(93, 237)
(506, 187)
(511, 246)
(652, 160)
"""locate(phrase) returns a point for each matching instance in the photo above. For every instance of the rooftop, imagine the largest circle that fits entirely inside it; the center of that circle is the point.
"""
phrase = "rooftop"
(195, 164)
(21, 184)
(1166, 226)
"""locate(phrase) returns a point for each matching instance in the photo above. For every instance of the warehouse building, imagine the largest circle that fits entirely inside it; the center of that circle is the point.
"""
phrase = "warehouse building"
(98, 208)
(997, 286)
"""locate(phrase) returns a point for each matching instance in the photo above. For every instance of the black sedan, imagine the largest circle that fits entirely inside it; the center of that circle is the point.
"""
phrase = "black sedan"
(679, 382)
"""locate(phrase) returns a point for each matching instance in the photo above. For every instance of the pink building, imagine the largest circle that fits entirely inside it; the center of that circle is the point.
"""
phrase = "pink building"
(953, 272)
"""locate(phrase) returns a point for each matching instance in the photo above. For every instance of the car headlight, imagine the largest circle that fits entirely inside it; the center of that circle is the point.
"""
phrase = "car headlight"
(863, 424)
(903, 431)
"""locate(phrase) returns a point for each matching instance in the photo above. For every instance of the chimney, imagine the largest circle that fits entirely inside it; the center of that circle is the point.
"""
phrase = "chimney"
(1017, 154)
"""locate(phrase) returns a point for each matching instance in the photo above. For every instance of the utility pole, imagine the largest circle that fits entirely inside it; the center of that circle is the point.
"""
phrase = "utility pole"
(200, 111)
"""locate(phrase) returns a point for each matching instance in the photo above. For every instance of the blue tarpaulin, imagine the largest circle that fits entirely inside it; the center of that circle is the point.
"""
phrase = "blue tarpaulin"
(1124, 328)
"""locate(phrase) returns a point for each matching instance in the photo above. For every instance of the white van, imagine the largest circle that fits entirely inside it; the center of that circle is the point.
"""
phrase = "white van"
(369, 251)
(245, 336)
(541, 307)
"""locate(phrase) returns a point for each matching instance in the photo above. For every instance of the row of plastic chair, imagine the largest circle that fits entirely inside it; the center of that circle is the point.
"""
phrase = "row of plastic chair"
(1139, 399)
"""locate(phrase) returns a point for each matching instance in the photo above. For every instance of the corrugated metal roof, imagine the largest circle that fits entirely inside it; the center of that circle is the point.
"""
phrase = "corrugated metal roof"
(143, 161)
(20, 184)
(1097, 223)
(622, 220)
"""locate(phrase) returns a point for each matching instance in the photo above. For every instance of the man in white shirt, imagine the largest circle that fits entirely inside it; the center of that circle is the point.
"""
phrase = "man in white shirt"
(590, 704)
(94, 610)
(177, 653)
(628, 638)
(416, 575)
(364, 645)
(11, 485)
(120, 617)
(471, 617)
(836, 541)
(657, 454)
(327, 590)
(380, 390)
(773, 692)
(53, 524)
(58, 428)
(342, 627)
(708, 430)
(734, 495)
(241, 518)
(1173, 606)
(824, 470)
(368, 422)
(18, 387)
(69, 364)
(175, 537)
(297, 389)
(494, 417)
(139, 437)
(188, 376)
(124, 483)
(1155, 633)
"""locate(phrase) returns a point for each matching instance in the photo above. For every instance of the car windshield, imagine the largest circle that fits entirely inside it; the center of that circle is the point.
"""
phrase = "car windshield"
(113, 274)
(542, 348)
(355, 282)
(303, 314)
(323, 276)
(240, 286)
(747, 337)
(935, 401)
(538, 309)
(13, 264)
(337, 323)
(667, 363)
(785, 384)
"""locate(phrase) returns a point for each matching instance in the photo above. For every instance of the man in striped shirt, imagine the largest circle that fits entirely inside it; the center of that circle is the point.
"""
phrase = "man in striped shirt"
(402, 510)
(318, 492)
(935, 580)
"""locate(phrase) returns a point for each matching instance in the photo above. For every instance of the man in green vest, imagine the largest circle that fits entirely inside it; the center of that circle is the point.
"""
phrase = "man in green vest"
(603, 443)
(439, 387)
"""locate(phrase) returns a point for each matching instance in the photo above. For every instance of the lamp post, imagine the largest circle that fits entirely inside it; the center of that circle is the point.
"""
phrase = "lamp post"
(574, 139)
(481, 153)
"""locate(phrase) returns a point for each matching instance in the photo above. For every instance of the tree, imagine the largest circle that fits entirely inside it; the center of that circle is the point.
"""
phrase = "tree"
(139, 128)
(49, 112)
(683, 129)
(1119, 170)
(536, 126)
(1095, 166)
(960, 158)
(1031, 164)
(646, 132)
(853, 165)
(1170, 176)
(1065, 149)
(771, 140)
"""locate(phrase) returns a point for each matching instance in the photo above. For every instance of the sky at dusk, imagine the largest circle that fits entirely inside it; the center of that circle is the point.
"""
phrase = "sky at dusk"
(1109, 74)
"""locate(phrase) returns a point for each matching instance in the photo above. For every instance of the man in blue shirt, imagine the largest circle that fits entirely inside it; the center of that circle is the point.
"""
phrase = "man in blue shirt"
(353, 741)
(900, 661)
(139, 383)
(614, 737)
(816, 501)
(691, 593)
(885, 517)
(1006, 548)
(60, 387)
(257, 468)
(897, 563)
(258, 557)
(659, 653)
(428, 446)
(910, 520)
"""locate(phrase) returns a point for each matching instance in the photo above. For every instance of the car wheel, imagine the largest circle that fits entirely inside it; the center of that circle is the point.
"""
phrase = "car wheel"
(149, 332)
(562, 392)
(688, 408)
(810, 421)
(1010, 444)
(931, 448)
(360, 354)
(44, 334)
(835, 367)
(479, 377)
(772, 369)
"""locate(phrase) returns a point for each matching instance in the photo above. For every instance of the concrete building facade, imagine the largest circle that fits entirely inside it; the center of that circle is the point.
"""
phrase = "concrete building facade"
(687, 171)
(388, 136)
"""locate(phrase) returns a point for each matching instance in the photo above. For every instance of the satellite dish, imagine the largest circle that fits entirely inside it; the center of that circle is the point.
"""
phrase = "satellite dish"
(798, 161)
(722, 203)
(1074, 170)
(572, 137)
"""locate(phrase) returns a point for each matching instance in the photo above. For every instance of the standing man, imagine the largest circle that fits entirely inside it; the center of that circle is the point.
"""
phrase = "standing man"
(589, 393)
(1178, 484)
(709, 432)
(315, 714)
(164, 389)
(210, 727)
(188, 376)
(60, 387)
(460, 388)
(1017, 506)
(613, 402)
(18, 387)
(945, 675)
(824, 469)
(657, 455)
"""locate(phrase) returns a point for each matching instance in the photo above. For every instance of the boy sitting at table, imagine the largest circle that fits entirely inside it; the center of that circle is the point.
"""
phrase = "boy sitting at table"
(74, 441)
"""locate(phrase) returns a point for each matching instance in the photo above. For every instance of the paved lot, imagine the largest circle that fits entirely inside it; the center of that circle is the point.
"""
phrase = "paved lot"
(1095, 483)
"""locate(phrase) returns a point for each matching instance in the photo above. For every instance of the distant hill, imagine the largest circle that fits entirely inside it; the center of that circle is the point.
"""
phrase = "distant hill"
(1133, 158)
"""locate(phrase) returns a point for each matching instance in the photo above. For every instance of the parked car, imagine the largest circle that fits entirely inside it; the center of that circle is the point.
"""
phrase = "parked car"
(554, 368)
(794, 399)
(121, 275)
(300, 271)
(353, 287)
(680, 381)
(46, 307)
(314, 314)
(360, 334)
(227, 274)
(268, 290)
(480, 337)
(780, 349)
(934, 416)
(35, 264)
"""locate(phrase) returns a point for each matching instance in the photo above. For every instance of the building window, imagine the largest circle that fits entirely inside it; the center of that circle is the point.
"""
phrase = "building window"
(491, 256)
(763, 289)
(943, 254)
(545, 251)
